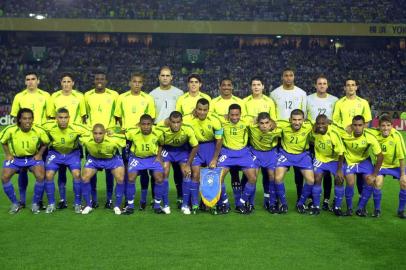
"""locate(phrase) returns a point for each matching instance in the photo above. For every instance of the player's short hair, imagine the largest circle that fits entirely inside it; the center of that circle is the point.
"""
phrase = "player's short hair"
(226, 79)
(20, 114)
(257, 78)
(146, 117)
(67, 74)
(175, 115)
(62, 110)
(297, 112)
(385, 118)
(234, 107)
(350, 79)
(165, 67)
(202, 101)
(321, 116)
(100, 72)
(358, 118)
(98, 125)
(196, 76)
(320, 76)
(31, 72)
(288, 69)
(137, 74)
(263, 115)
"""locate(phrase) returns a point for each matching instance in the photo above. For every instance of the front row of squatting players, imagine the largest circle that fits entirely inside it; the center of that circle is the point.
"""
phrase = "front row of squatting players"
(202, 139)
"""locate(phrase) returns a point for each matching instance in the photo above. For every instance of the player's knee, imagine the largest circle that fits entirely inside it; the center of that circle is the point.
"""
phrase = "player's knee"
(49, 175)
(5, 178)
(76, 174)
(402, 184)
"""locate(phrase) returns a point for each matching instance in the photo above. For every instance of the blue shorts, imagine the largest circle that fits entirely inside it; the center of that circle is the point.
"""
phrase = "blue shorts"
(266, 159)
(56, 159)
(104, 163)
(325, 167)
(364, 167)
(136, 164)
(242, 158)
(204, 154)
(126, 153)
(395, 172)
(22, 163)
(302, 161)
(175, 154)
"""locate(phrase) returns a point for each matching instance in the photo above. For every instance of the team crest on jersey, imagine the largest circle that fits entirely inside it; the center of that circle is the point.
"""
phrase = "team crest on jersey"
(241, 126)
(303, 134)
(209, 126)
(71, 136)
(34, 138)
(363, 142)
(109, 101)
(390, 143)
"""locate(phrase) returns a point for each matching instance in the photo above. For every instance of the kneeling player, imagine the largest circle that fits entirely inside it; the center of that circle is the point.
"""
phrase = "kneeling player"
(208, 131)
(176, 141)
(357, 161)
(236, 153)
(23, 145)
(329, 150)
(393, 150)
(63, 151)
(294, 152)
(145, 155)
(103, 154)
(263, 138)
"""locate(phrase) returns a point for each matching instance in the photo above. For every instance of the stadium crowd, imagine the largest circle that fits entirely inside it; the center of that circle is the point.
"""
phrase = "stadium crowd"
(380, 72)
(377, 11)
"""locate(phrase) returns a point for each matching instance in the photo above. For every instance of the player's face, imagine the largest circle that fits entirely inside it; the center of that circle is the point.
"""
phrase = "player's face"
(226, 88)
(257, 87)
(100, 81)
(385, 128)
(202, 111)
(165, 77)
(98, 134)
(31, 81)
(264, 125)
(194, 85)
(321, 85)
(234, 116)
(288, 78)
(350, 88)
(321, 125)
(136, 83)
(62, 119)
(146, 126)
(175, 124)
(67, 83)
(296, 121)
(358, 127)
(26, 121)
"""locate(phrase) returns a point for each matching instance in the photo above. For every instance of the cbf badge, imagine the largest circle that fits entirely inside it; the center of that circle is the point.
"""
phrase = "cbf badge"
(210, 186)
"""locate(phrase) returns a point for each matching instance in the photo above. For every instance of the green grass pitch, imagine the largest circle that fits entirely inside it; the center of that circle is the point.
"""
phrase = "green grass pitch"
(101, 240)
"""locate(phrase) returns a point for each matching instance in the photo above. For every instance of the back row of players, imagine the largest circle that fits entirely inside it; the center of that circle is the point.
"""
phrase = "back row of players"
(193, 130)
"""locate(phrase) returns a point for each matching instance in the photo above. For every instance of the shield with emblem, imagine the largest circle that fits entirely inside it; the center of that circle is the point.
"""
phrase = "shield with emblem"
(210, 186)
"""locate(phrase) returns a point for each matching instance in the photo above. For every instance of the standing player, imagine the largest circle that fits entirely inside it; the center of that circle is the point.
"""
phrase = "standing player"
(23, 146)
(187, 102)
(329, 150)
(357, 161)
(346, 108)
(322, 103)
(145, 155)
(263, 139)
(102, 154)
(393, 150)
(235, 153)
(177, 139)
(131, 105)
(208, 131)
(289, 97)
(36, 100)
(255, 104)
(294, 152)
(100, 106)
(74, 102)
(220, 106)
(165, 97)
(63, 151)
